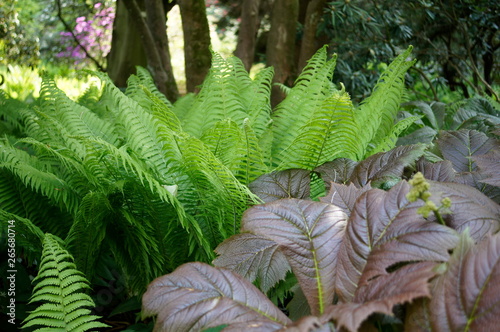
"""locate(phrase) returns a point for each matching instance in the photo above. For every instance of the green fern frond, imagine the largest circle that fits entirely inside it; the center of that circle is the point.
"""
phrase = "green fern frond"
(330, 133)
(138, 129)
(17, 200)
(88, 231)
(163, 114)
(183, 105)
(38, 176)
(60, 285)
(75, 118)
(311, 89)
(29, 237)
(389, 142)
(209, 191)
(258, 103)
(219, 99)
(90, 97)
(147, 81)
(377, 113)
(102, 156)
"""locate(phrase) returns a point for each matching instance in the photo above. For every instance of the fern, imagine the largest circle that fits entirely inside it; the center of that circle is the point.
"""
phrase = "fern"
(218, 99)
(61, 287)
(28, 235)
(311, 89)
(377, 113)
(329, 134)
(38, 176)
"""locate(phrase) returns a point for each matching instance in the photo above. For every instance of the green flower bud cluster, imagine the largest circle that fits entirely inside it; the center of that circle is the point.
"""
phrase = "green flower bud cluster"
(420, 190)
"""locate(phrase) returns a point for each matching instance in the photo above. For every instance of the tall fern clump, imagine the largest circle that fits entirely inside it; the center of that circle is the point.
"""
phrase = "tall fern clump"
(317, 123)
(59, 285)
(128, 174)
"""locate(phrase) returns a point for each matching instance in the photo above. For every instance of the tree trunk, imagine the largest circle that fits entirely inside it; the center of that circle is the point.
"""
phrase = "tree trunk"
(309, 44)
(153, 31)
(197, 54)
(281, 45)
(247, 35)
(126, 48)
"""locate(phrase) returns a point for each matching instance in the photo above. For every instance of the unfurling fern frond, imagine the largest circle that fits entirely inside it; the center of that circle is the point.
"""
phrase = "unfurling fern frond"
(61, 287)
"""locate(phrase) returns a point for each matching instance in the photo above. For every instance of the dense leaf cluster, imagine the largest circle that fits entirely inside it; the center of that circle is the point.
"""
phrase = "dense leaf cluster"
(131, 184)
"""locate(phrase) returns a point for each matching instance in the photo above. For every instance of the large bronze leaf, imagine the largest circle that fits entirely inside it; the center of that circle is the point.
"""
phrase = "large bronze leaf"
(253, 256)
(290, 183)
(470, 209)
(309, 234)
(385, 166)
(489, 166)
(459, 146)
(382, 294)
(344, 196)
(197, 296)
(467, 296)
(384, 229)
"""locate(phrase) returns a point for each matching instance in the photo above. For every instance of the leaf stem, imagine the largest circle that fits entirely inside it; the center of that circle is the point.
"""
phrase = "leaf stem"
(439, 217)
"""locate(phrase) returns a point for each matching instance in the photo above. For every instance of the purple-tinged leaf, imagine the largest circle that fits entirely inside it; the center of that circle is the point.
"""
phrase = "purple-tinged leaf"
(290, 183)
(306, 324)
(418, 317)
(309, 234)
(440, 171)
(256, 325)
(489, 166)
(459, 146)
(338, 170)
(382, 294)
(197, 296)
(344, 196)
(467, 296)
(253, 256)
(475, 180)
(386, 225)
(470, 209)
(384, 166)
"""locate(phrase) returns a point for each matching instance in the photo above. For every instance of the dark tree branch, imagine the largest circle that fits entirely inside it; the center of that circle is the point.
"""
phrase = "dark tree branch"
(75, 38)
(421, 72)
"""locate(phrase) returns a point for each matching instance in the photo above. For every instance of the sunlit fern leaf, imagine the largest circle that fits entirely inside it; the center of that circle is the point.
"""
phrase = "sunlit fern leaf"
(389, 142)
(209, 191)
(377, 113)
(90, 97)
(147, 81)
(100, 152)
(71, 168)
(163, 114)
(61, 287)
(258, 105)
(311, 88)
(76, 119)
(223, 139)
(253, 163)
(183, 105)
(218, 99)
(139, 129)
(330, 133)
